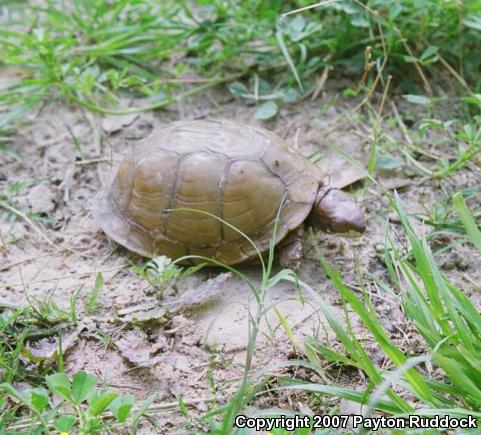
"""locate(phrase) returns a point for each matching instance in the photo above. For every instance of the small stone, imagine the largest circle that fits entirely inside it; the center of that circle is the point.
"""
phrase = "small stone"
(112, 124)
(178, 322)
(191, 339)
(161, 345)
(394, 218)
(348, 407)
(41, 199)
(202, 407)
(124, 300)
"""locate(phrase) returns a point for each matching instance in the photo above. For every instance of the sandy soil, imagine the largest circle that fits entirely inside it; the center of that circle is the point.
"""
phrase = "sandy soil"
(192, 342)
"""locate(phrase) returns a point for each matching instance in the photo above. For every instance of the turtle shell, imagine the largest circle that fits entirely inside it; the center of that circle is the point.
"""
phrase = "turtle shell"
(238, 173)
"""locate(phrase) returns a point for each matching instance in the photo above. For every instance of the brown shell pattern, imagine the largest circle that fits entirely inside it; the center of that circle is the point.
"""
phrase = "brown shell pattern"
(236, 172)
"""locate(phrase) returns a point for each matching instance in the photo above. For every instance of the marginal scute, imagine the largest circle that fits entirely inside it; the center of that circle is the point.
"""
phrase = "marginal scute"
(291, 211)
(239, 173)
(164, 246)
(122, 187)
(140, 240)
(207, 252)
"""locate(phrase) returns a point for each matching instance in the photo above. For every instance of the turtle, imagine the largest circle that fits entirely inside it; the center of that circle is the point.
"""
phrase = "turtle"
(201, 189)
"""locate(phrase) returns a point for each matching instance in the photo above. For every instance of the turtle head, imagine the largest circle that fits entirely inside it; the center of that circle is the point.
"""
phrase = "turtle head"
(335, 212)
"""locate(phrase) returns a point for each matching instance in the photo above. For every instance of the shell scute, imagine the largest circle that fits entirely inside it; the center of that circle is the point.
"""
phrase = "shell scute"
(247, 186)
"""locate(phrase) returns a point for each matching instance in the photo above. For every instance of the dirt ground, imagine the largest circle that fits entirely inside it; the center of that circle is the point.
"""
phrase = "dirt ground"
(192, 342)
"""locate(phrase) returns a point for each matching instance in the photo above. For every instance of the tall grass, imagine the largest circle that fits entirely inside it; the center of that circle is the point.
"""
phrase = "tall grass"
(443, 379)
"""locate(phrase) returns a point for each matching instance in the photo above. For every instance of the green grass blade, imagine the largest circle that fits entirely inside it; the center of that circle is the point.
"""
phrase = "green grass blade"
(458, 377)
(468, 220)
(287, 56)
(371, 321)
(351, 344)
(345, 393)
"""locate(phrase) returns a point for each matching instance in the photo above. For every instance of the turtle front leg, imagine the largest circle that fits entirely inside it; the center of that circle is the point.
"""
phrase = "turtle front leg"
(291, 248)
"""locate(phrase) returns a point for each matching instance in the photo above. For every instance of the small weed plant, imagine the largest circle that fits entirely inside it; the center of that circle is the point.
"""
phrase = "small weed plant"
(70, 405)
(53, 402)
(162, 273)
(20, 326)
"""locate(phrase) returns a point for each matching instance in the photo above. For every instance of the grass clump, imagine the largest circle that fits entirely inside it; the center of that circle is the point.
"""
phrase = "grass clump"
(23, 326)
(439, 377)
(443, 378)
(467, 145)
(80, 406)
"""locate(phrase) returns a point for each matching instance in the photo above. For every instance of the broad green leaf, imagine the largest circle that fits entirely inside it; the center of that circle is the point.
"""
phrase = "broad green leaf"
(266, 110)
(388, 162)
(359, 21)
(39, 398)
(474, 23)
(238, 89)
(264, 87)
(101, 402)
(291, 95)
(64, 422)
(60, 384)
(19, 395)
(297, 24)
(410, 59)
(83, 384)
(430, 50)
(394, 10)
(121, 406)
